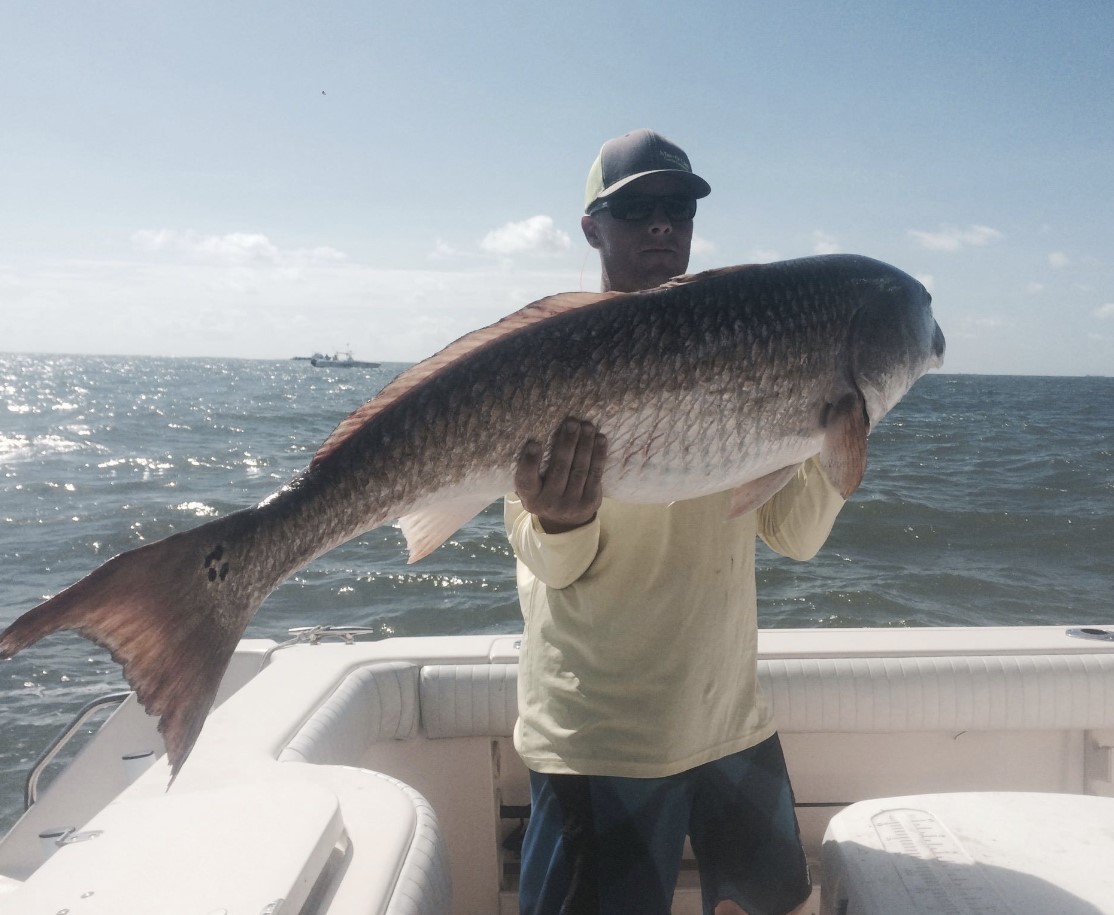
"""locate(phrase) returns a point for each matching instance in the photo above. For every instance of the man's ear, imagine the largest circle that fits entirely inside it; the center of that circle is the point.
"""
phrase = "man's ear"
(591, 230)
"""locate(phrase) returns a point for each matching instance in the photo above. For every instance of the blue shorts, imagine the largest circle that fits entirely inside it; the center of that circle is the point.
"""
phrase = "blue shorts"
(602, 844)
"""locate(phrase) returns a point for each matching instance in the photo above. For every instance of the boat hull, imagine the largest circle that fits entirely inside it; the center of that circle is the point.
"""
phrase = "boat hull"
(412, 738)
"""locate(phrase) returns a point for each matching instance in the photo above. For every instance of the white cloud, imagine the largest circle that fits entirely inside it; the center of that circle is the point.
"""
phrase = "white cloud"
(975, 327)
(536, 235)
(233, 248)
(927, 280)
(701, 247)
(1058, 260)
(321, 254)
(823, 243)
(764, 255)
(170, 304)
(1034, 288)
(443, 251)
(953, 238)
(153, 239)
(1105, 312)
(988, 323)
(236, 247)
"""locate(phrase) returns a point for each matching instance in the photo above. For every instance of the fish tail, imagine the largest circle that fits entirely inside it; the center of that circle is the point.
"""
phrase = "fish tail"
(170, 613)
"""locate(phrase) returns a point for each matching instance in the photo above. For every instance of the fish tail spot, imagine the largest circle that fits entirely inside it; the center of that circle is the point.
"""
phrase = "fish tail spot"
(214, 568)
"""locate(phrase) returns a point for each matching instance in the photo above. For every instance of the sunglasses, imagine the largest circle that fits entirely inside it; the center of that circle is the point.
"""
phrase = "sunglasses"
(633, 208)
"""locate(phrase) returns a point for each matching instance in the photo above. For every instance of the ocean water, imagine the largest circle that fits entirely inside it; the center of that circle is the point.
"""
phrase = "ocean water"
(988, 501)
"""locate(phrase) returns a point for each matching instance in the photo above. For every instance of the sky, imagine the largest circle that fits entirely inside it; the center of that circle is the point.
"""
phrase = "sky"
(270, 179)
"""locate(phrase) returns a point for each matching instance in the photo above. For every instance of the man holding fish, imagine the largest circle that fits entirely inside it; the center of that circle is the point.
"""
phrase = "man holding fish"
(735, 403)
(641, 717)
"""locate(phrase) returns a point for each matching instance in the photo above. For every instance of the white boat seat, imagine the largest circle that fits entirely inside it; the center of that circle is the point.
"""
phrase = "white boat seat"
(469, 700)
(373, 703)
(965, 692)
(395, 844)
(387, 701)
(167, 853)
(849, 695)
(993, 852)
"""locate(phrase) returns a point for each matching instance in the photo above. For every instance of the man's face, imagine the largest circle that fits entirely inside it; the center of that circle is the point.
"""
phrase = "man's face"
(641, 253)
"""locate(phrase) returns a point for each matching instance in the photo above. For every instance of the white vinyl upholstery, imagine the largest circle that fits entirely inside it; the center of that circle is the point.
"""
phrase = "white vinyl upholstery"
(961, 692)
(1025, 853)
(398, 700)
(468, 700)
(397, 860)
(424, 885)
(978, 692)
(373, 703)
(992, 692)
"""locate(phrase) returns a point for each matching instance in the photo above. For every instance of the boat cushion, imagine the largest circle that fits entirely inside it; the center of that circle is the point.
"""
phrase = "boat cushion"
(171, 854)
(992, 852)
(373, 703)
(397, 859)
(981, 692)
(469, 700)
(851, 695)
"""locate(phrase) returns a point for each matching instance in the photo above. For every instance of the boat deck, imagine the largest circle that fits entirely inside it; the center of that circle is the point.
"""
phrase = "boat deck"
(400, 751)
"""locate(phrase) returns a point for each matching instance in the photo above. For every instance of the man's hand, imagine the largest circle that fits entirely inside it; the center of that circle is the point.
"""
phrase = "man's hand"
(569, 493)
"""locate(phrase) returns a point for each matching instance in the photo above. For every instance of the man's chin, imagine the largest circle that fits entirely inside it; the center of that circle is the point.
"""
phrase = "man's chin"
(663, 267)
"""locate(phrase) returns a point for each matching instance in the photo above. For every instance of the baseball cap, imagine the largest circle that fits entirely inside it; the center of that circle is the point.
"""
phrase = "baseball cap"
(634, 155)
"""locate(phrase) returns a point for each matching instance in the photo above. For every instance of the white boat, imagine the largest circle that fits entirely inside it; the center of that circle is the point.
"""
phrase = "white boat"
(337, 776)
(338, 361)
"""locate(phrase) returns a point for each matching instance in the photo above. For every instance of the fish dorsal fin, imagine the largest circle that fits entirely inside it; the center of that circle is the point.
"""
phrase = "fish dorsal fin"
(687, 278)
(408, 380)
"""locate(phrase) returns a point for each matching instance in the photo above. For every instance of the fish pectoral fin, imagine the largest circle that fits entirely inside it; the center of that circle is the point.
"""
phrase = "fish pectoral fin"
(427, 528)
(756, 493)
(843, 454)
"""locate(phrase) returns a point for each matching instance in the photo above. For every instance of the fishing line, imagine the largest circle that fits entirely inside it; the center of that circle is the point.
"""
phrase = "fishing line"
(583, 264)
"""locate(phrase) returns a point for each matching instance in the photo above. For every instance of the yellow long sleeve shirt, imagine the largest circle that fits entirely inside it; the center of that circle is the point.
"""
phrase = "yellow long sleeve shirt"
(639, 650)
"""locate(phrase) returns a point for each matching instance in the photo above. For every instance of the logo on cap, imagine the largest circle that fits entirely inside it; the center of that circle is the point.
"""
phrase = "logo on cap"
(635, 155)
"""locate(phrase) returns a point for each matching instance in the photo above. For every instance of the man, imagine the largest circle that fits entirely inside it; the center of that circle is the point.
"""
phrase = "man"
(641, 719)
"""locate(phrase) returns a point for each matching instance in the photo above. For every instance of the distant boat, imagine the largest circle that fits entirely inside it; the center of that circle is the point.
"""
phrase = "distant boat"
(338, 361)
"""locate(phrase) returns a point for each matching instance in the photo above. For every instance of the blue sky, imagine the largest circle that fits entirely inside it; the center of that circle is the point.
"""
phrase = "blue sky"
(264, 180)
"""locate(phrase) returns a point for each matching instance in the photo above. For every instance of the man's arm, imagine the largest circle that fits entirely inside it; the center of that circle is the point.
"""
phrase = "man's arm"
(550, 521)
(798, 519)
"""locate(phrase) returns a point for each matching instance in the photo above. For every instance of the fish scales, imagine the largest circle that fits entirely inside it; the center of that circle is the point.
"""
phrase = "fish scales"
(627, 394)
(725, 380)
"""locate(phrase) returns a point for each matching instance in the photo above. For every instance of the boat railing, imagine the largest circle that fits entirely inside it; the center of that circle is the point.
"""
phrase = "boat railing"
(315, 635)
(31, 787)
(312, 635)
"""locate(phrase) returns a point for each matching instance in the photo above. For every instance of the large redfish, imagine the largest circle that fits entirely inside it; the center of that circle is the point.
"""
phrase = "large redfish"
(724, 380)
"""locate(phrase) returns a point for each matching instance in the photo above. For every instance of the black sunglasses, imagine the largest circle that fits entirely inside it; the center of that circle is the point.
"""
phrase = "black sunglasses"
(632, 208)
